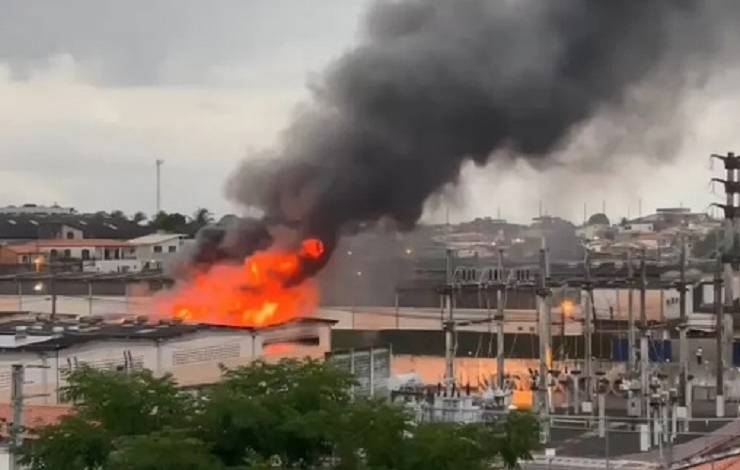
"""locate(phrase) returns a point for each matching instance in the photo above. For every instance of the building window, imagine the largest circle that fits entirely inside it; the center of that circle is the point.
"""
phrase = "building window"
(53, 254)
(158, 249)
(85, 254)
(70, 235)
(172, 249)
(67, 253)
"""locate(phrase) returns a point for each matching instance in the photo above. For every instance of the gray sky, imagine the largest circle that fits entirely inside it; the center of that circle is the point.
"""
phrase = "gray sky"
(92, 91)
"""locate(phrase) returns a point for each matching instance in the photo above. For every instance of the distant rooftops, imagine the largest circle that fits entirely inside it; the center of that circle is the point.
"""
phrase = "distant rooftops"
(26, 227)
(36, 209)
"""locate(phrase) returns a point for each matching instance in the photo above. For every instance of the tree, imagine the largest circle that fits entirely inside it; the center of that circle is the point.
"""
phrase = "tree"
(708, 246)
(108, 405)
(203, 217)
(162, 450)
(139, 217)
(172, 222)
(118, 214)
(294, 414)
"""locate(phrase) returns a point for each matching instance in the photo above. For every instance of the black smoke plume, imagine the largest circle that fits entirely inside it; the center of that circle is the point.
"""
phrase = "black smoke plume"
(436, 83)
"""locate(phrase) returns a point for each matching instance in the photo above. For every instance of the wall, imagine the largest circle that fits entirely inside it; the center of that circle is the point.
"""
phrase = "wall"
(112, 265)
(193, 359)
(617, 300)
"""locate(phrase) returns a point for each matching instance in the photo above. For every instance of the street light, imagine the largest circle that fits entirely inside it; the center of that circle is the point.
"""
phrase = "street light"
(38, 287)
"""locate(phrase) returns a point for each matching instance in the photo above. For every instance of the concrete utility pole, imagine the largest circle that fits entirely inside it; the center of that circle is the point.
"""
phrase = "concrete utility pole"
(643, 287)
(543, 318)
(718, 311)
(500, 365)
(630, 312)
(158, 162)
(588, 320)
(16, 402)
(683, 340)
(728, 258)
(449, 328)
(644, 336)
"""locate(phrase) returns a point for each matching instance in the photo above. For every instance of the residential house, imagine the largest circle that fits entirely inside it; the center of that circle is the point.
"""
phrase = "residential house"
(155, 250)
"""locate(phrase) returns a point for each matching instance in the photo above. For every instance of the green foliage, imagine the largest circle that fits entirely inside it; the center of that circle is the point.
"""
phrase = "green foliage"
(139, 217)
(75, 443)
(162, 451)
(127, 403)
(172, 222)
(203, 217)
(287, 410)
(707, 247)
(294, 414)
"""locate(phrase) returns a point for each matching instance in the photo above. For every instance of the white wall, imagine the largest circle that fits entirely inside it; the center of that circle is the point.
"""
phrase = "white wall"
(112, 265)
(79, 305)
(618, 300)
(192, 359)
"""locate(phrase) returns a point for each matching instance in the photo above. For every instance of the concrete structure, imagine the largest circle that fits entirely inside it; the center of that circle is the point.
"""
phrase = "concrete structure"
(193, 354)
(155, 250)
(72, 248)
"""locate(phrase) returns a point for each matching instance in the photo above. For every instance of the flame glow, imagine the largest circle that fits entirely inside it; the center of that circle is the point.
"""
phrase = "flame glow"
(256, 294)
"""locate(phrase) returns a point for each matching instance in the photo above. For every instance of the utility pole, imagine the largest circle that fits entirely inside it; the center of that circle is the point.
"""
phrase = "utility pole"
(53, 293)
(543, 318)
(500, 365)
(17, 379)
(16, 401)
(159, 163)
(449, 328)
(683, 340)
(643, 286)
(729, 258)
(718, 311)
(588, 320)
(645, 337)
(630, 312)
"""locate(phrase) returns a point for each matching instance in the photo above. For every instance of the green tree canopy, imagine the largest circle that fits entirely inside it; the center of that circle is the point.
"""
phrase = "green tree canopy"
(294, 414)
(170, 222)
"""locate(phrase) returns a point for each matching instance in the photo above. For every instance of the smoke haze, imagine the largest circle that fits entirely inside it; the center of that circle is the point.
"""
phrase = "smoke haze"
(436, 84)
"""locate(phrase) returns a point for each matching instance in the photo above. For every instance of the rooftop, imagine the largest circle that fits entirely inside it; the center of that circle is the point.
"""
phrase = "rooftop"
(156, 238)
(56, 335)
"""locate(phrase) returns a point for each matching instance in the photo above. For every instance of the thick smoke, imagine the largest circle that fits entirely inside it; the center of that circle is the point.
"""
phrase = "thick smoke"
(436, 83)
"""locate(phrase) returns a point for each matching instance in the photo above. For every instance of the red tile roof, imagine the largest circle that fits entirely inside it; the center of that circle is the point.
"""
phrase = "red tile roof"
(35, 416)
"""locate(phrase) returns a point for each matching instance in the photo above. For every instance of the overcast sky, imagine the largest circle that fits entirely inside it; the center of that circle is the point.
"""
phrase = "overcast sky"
(93, 91)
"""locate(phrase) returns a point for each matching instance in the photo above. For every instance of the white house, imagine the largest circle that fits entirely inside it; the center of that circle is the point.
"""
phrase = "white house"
(154, 250)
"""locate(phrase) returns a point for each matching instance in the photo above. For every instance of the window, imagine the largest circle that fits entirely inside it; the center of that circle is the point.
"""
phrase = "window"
(158, 249)
(54, 254)
(85, 254)
(172, 249)
(70, 235)
(67, 253)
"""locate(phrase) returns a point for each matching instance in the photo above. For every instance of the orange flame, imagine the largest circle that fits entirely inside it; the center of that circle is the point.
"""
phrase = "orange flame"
(255, 294)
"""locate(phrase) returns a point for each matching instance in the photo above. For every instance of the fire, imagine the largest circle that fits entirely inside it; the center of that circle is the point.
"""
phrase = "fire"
(255, 294)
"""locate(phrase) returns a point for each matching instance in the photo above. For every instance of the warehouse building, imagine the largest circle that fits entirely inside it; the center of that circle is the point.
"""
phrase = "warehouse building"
(193, 354)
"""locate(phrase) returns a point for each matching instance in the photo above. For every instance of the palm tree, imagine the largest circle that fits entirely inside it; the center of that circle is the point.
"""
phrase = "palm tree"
(203, 216)
(139, 217)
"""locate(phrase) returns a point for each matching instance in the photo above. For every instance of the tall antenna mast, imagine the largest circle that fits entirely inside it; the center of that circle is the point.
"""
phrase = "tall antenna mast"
(159, 163)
